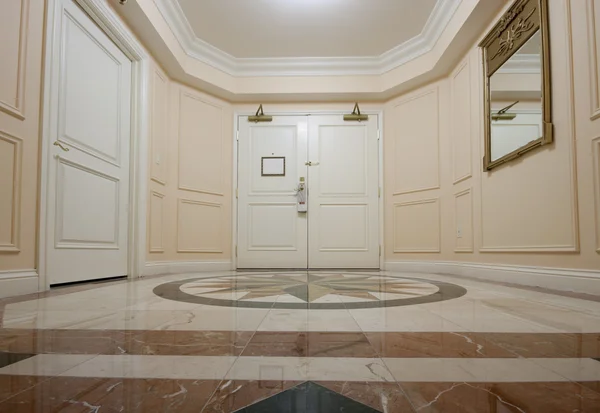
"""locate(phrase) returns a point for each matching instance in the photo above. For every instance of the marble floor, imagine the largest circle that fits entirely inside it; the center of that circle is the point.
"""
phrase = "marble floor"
(296, 342)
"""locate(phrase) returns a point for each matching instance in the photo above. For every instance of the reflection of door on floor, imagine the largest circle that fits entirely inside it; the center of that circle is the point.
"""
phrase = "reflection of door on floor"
(339, 163)
(88, 174)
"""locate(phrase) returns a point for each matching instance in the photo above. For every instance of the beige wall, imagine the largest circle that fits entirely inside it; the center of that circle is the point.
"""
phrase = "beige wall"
(191, 155)
(540, 210)
(21, 31)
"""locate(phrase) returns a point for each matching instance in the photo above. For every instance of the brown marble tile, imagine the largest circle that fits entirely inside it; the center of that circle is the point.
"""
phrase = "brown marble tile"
(206, 343)
(233, 395)
(548, 344)
(501, 397)
(312, 344)
(13, 385)
(188, 343)
(78, 394)
(385, 397)
(417, 344)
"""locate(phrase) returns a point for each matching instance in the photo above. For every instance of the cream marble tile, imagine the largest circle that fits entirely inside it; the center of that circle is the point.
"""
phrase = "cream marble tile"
(348, 369)
(45, 365)
(309, 320)
(167, 367)
(215, 318)
(465, 369)
(409, 318)
(575, 369)
(269, 368)
(54, 319)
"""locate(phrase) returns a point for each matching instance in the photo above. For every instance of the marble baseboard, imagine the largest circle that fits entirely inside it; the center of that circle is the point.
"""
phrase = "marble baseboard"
(568, 280)
(15, 283)
(182, 267)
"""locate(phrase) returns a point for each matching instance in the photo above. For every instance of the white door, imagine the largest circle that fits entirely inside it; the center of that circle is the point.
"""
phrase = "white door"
(343, 207)
(341, 227)
(271, 231)
(88, 174)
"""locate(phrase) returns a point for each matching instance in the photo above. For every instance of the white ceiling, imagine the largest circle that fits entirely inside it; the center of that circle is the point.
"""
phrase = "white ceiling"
(306, 28)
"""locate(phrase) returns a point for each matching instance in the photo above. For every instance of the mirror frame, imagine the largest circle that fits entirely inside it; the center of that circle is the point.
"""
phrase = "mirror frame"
(516, 26)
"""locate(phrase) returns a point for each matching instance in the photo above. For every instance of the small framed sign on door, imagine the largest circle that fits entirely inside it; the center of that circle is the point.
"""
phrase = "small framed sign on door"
(272, 166)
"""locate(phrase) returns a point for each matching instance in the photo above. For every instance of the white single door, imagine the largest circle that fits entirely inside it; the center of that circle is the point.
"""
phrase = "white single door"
(271, 161)
(88, 175)
(343, 187)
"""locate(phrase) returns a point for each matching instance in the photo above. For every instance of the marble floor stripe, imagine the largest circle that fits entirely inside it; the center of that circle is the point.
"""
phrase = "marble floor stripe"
(26, 394)
(309, 368)
(301, 344)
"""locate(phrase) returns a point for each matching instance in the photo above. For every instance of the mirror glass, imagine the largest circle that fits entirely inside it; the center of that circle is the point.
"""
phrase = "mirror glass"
(516, 100)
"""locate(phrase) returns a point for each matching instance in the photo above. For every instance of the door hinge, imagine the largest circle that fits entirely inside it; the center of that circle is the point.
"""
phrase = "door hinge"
(380, 250)
(236, 251)
(237, 135)
(378, 134)
(237, 193)
(379, 192)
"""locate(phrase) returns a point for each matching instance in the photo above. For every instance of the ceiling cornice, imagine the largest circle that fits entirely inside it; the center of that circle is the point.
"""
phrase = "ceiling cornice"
(307, 66)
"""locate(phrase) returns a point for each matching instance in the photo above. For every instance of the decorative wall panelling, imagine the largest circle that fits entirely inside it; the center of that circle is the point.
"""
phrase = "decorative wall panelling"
(21, 31)
(156, 222)
(417, 226)
(199, 226)
(460, 121)
(463, 221)
(596, 180)
(200, 145)
(416, 146)
(14, 22)
(593, 14)
(10, 201)
(160, 127)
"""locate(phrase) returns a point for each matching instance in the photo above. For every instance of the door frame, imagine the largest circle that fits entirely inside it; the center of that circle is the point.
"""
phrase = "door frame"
(293, 112)
(109, 22)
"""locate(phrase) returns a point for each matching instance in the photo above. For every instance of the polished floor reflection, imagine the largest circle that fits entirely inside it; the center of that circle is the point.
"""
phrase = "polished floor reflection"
(296, 342)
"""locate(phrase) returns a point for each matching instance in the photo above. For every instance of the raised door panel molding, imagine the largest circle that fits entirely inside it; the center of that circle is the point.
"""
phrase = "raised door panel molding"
(10, 188)
(596, 170)
(14, 21)
(461, 123)
(463, 221)
(416, 143)
(593, 12)
(160, 119)
(199, 227)
(200, 145)
(157, 227)
(417, 226)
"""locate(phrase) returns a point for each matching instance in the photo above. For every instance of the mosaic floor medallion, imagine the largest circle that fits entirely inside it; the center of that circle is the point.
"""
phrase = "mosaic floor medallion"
(319, 291)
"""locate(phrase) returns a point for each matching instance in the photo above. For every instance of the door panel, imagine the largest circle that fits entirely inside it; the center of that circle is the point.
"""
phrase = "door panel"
(271, 232)
(343, 190)
(88, 177)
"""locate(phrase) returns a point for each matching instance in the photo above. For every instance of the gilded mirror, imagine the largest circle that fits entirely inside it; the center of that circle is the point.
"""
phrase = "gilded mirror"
(516, 64)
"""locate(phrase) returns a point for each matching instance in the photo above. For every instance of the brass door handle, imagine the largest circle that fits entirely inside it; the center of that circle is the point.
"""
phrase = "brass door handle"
(61, 146)
(310, 163)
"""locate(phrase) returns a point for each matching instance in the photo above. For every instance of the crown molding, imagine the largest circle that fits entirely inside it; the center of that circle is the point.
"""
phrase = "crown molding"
(522, 64)
(307, 66)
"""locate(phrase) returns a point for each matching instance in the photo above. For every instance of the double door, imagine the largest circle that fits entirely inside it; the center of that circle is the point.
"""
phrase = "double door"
(337, 164)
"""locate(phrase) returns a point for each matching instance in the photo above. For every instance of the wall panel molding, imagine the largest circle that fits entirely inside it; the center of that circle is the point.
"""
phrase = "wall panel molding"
(468, 222)
(15, 105)
(159, 163)
(433, 216)
(160, 247)
(211, 241)
(593, 13)
(13, 178)
(460, 143)
(596, 172)
(199, 188)
(430, 116)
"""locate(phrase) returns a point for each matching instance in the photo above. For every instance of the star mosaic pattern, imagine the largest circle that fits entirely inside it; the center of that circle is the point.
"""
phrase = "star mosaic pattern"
(309, 288)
